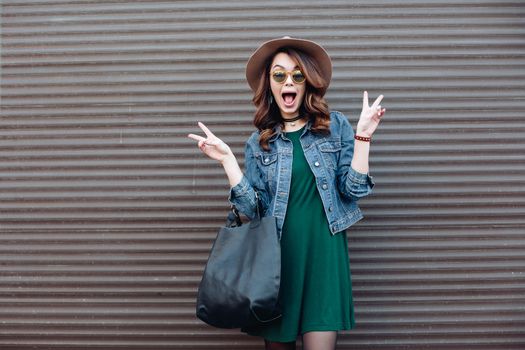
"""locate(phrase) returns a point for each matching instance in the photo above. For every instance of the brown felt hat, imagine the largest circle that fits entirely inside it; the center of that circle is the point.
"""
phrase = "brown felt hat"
(256, 63)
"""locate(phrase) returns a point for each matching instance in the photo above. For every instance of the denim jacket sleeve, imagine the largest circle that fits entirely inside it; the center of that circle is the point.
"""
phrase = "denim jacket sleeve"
(351, 183)
(242, 195)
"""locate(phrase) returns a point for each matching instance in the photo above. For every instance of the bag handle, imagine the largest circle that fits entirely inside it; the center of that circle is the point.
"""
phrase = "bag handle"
(234, 219)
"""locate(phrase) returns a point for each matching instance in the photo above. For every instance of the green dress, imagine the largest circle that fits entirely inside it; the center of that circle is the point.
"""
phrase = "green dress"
(316, 291)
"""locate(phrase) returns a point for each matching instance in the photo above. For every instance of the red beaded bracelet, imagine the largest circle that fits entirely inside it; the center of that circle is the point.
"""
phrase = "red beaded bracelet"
(362, 138)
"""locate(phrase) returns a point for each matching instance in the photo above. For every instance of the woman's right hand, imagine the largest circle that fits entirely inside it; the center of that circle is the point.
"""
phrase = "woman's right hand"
(211, 145)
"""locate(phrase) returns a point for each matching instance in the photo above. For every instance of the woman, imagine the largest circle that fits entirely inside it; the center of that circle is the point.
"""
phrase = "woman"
(309, 170)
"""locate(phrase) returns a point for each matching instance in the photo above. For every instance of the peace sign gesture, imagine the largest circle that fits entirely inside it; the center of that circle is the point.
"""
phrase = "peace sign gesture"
(211, 145)
(370, 116)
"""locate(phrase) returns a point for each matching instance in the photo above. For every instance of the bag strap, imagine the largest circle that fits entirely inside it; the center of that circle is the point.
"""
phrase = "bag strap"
(234, 219)
(259, 208)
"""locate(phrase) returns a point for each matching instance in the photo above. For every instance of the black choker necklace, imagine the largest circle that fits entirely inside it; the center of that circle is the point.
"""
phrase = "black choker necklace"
(292, 120)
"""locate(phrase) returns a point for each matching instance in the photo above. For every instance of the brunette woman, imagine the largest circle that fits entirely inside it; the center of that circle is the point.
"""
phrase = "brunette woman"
(309, 169)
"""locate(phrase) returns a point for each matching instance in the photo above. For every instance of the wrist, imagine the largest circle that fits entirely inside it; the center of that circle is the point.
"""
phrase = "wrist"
(228, 159)
(362, 132)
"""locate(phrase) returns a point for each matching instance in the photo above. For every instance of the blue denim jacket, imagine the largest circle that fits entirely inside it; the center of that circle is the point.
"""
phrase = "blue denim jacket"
(329, 157)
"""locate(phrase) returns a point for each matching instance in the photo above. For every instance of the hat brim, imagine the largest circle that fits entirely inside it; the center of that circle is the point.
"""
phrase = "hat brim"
(256, 63)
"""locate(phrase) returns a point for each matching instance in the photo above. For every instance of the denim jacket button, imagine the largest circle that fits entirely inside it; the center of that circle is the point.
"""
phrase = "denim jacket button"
(316, 163)
(325, 186)
(330, 208)
(266, 160)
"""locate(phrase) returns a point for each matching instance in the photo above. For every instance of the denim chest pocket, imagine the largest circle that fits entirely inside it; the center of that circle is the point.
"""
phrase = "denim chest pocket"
(268, 164)
(330, 151)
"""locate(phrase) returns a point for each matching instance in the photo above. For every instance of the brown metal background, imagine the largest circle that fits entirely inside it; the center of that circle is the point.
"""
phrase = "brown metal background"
(107, 211)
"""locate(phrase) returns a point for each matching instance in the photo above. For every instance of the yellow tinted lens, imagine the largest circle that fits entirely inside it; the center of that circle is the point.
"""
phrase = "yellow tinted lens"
(279, 76)
(298, 76)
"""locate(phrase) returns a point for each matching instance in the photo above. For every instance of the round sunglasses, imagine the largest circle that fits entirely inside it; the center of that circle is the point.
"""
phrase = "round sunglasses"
(280, 76)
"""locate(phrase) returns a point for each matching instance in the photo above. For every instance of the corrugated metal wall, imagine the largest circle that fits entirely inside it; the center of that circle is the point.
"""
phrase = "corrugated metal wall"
(108, 211)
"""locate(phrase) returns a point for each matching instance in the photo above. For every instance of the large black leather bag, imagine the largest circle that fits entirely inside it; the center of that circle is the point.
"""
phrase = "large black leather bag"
(240, 284)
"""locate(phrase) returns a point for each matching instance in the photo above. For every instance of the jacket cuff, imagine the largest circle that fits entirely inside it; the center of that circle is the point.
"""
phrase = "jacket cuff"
(239, 190)
(360, 178)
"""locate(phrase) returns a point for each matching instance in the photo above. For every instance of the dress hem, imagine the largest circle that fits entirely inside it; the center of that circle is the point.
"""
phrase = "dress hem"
(326, 328)
(311, 328)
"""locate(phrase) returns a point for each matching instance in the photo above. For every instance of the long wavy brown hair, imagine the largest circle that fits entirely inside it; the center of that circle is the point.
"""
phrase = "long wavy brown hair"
(267, 115)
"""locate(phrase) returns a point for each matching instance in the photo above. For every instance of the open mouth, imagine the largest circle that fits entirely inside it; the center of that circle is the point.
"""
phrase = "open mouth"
(289, 98)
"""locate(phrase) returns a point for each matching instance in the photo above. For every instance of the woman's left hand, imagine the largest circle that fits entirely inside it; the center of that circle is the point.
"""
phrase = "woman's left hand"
(370, 116)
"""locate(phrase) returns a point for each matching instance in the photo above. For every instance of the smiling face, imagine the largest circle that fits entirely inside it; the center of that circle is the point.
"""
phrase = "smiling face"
(288, 95)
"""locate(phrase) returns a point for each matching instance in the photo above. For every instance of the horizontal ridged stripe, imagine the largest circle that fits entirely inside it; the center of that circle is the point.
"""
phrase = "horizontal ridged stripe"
(108, 211)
